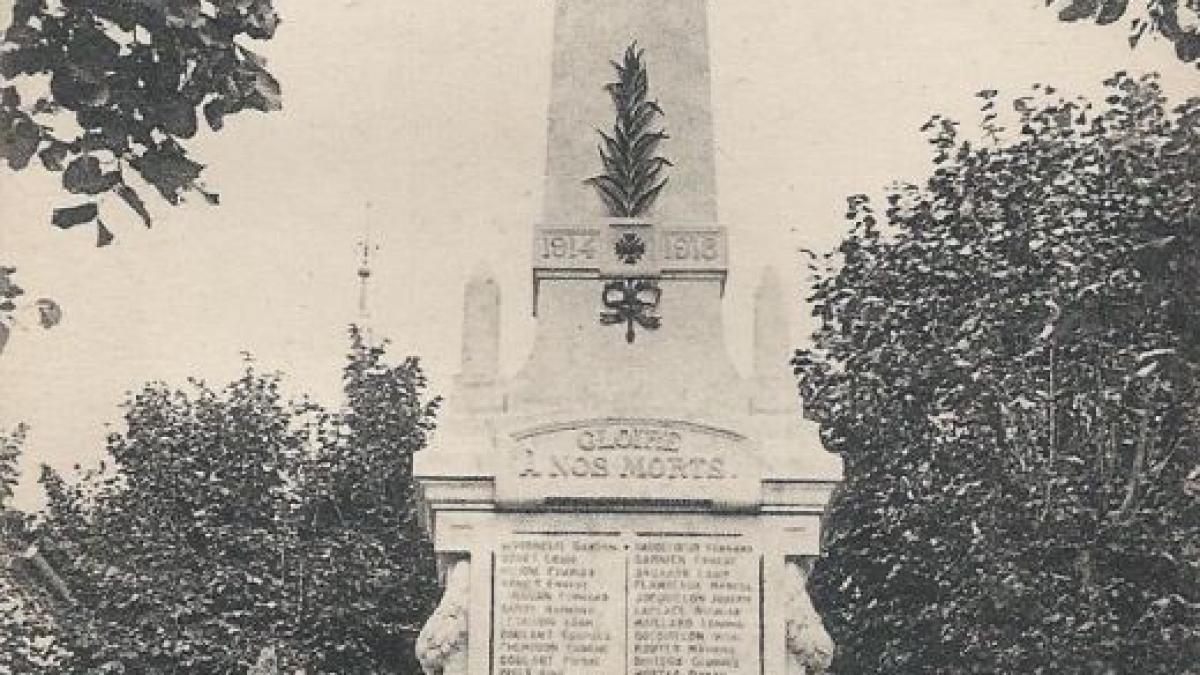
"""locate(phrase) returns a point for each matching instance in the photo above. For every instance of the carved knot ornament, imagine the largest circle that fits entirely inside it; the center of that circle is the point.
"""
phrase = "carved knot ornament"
(631, 302)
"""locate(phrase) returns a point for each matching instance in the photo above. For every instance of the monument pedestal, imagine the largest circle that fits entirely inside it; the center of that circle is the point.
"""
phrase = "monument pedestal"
(629, 545)
(628, 503)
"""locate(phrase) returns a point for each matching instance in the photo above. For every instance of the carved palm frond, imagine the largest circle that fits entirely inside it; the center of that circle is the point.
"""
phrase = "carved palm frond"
(632, 178)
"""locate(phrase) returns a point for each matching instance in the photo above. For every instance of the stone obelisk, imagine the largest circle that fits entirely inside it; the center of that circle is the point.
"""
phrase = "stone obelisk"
(627, 501)
(683, 363)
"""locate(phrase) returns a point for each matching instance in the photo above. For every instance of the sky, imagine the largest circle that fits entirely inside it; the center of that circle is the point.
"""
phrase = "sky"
(424, 122)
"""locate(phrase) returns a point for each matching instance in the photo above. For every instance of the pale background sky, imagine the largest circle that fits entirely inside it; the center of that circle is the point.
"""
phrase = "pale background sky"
(427, 120)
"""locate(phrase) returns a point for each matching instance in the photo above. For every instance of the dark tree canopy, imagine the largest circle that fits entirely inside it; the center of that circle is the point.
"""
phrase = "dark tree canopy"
(232, 521)
(1008, 361)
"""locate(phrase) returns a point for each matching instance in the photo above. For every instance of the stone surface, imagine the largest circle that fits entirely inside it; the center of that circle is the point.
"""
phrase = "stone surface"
(652, 603)
(774, 386)
(621, 460)
(559, 605)
(481, 330)
(442, 643)
(588, 34)
(810, 649)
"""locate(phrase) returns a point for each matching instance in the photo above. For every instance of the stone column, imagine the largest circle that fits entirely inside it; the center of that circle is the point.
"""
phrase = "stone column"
(481, 329)
(774, 388)
(476, 384)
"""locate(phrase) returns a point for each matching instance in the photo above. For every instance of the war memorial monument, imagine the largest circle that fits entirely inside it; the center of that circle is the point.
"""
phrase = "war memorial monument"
(627, 503)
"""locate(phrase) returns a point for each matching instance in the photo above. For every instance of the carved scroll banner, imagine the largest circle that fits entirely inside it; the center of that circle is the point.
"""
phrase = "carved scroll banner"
(628, 460)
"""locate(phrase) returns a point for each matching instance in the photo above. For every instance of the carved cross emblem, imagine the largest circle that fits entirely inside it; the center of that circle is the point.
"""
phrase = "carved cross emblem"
(631, 302)
(630, 248)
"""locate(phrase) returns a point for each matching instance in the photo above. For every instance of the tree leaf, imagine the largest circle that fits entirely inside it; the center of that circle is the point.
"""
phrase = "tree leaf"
(214, 113)
(177, 117)
(1111, 10)
(262, 89)
(211, 197)
(168, 168)
(1079, 9)
(134, 200)
(1187, 46)
(77, 89)
(85, 176)
(19, 139)
(74, 215)
(49, 313)
(54, 154)
(104, 236)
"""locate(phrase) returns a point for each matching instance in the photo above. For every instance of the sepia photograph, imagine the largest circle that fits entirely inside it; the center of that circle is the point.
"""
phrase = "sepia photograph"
(600, 337)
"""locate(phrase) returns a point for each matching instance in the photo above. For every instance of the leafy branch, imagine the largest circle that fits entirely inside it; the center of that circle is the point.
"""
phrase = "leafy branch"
(631, 180)
(133, 74)
(1176, 20)
(48, 312)
(10, 453)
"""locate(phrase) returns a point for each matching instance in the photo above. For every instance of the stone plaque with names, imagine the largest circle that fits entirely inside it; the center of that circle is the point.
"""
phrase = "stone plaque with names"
(645, 604)
(558, 606)
(694, 607)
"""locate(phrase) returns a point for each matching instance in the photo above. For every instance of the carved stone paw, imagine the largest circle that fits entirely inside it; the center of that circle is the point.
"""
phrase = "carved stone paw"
(444, 636)
(810, 649)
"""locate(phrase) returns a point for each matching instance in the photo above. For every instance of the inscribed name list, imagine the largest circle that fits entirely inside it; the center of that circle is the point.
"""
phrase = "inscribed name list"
(694, 607)
(559, 607)
(650, 605)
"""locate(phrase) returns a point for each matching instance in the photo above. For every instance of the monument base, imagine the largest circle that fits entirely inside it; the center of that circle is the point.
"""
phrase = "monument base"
(640, 564)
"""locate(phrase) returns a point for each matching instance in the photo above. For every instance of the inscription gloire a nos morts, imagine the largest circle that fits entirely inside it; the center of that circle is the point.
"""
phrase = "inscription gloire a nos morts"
(649, 605)
(558, 607)
(624, 459)
(694, 608)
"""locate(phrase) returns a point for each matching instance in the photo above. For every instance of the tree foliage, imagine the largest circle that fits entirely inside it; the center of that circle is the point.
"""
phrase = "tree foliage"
(118, 86)
(105, 93)
(233, 521)
(11, 306)
(28, 629)
(27, 626)
(10, 454)
(1176, 20)
(1008, 364)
